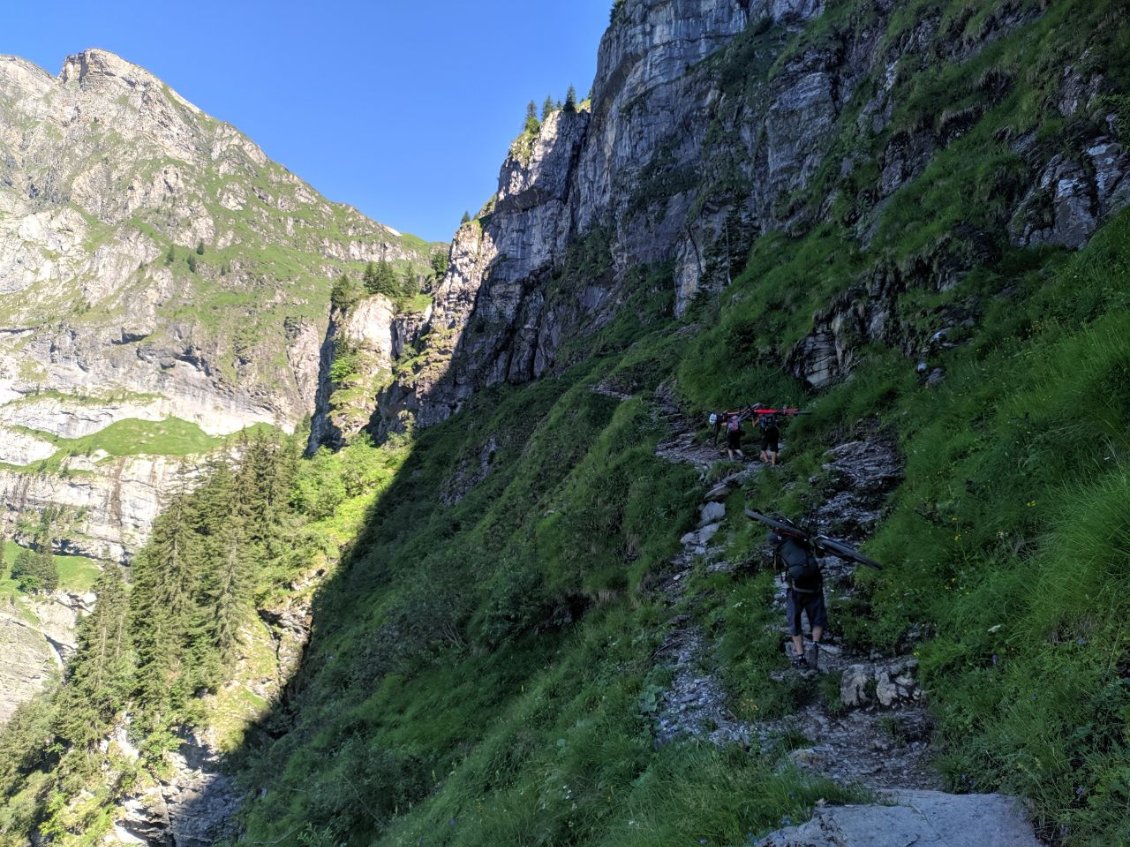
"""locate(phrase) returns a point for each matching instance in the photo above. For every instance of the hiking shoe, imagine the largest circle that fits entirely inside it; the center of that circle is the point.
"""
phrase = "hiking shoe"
(800, 663)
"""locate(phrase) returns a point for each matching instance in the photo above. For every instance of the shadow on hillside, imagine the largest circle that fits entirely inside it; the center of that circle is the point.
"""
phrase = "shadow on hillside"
(347, 652)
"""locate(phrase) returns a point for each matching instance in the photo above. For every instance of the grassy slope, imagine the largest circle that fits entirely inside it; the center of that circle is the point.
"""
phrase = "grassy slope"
(451, 696)
(76, 573)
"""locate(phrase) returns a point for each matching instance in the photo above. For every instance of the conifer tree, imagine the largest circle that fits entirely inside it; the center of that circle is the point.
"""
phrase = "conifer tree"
(532, 124)
(466, 219)
(48, 570)
(571, 100)
(380, 278)
(410, 286)
(99, 674)
(229, 589)
(25, 571)
(439, 261)
(547, 107)
(345, 293)
(161, 603)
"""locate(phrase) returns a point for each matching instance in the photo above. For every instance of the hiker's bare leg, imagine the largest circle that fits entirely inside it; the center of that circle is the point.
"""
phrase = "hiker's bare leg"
(798, 646)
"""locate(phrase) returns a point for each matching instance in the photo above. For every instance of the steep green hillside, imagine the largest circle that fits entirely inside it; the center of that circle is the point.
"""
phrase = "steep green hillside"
(482, 668)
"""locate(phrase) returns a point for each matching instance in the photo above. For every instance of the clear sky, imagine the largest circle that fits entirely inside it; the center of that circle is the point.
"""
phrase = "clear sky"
(402, 109)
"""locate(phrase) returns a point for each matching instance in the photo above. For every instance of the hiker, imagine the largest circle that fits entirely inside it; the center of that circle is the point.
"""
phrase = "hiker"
(716, 419)
(793, 554)
(734, 435)
(770, 438)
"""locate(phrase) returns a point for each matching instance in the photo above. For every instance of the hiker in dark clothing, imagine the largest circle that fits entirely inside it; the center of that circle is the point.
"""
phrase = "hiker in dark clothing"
(734, 435)
(770, 438)
(805, 594)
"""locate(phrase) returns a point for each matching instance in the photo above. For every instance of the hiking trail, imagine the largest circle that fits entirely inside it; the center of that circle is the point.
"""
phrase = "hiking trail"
(877, 737)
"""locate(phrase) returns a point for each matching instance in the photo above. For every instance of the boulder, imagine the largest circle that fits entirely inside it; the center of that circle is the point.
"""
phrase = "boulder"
(711, 513)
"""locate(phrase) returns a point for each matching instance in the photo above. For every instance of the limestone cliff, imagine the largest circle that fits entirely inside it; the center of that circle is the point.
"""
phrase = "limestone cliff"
(35, 639)
(713, 122)
(155, 266)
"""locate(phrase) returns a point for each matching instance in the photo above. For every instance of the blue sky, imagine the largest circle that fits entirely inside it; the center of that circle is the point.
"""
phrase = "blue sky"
(404, 110)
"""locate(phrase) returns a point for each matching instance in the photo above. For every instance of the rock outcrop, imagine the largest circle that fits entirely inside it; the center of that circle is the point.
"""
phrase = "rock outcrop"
(112, 501)
(365, 341)
(35, 638)
(922, 818)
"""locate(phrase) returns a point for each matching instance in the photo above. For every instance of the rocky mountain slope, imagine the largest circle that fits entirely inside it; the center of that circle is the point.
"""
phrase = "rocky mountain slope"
(163, 285)
(524, 623)
(715, 121)
(156, 269)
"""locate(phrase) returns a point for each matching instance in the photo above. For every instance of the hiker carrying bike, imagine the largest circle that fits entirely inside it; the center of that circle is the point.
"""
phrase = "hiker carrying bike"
(770, 438)
(795, 558)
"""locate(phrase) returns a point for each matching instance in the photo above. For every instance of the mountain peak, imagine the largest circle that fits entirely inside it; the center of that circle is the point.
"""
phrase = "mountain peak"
(94, 68)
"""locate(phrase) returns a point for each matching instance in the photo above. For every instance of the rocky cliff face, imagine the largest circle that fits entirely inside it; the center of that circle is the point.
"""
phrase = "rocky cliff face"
(711, 123)
(35, 639)
(155, 265)
(365, 341)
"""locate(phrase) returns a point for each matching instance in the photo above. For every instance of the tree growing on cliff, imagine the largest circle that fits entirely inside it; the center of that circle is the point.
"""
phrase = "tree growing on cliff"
(380, 278)
(532, 124)
(571, 100)
(439, 260)
(345, 293)
(548, 107)
(410, 285)
(100, 672)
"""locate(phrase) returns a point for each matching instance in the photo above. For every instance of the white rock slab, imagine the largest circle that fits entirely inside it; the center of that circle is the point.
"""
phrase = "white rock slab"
(918, 818)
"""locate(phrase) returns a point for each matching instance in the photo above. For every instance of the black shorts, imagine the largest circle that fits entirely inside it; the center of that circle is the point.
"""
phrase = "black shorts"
(734, 439)
(811, 604)
(771, 440)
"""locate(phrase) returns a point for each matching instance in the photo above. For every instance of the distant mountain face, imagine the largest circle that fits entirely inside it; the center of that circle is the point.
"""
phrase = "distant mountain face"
(162, 285)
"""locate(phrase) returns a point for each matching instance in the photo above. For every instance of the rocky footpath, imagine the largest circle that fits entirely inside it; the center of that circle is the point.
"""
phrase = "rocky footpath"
(695, 704)
(876, 734)
(915, 819)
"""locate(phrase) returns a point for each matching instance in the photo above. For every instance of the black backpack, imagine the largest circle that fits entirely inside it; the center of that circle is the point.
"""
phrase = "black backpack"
(796, 559)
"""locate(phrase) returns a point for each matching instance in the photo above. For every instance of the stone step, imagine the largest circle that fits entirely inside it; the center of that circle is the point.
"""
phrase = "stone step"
(921, 818)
